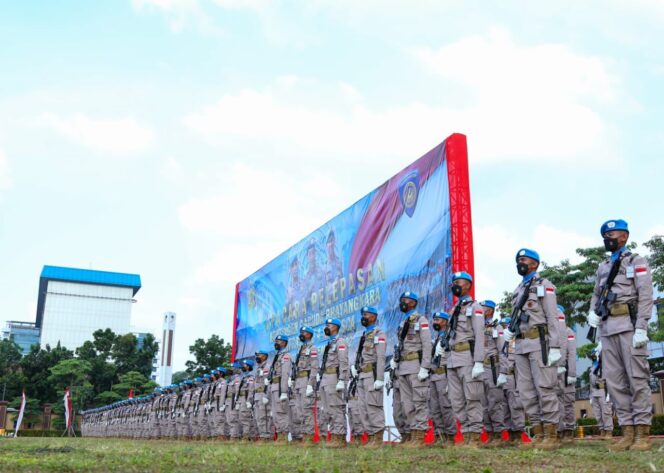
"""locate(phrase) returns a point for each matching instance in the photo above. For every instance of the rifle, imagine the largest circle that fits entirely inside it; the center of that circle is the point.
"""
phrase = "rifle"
(566, 375)
(494, 374)
(174, 411)
(323, 364)
(436, 359)
(606, 296)
(450, 334)
(237, 394)
(293, 372)
(518, 315)
(398, 348)
(352, 387)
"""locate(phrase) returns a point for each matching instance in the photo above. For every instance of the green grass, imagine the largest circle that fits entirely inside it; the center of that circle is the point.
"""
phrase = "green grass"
(77, 455)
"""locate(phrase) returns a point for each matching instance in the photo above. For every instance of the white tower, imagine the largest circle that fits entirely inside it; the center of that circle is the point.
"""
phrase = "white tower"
(166, 363)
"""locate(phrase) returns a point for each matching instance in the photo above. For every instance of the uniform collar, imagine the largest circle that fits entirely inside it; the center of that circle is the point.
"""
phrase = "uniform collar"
(616, 254)
(333, 338)
(465, 298)
(410, 312)
(528, 277)
(370, 328)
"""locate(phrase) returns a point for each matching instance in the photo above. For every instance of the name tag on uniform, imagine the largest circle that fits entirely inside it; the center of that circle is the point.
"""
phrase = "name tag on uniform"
(540, 291)
(469, 311)
(630, 272)
(417, 327)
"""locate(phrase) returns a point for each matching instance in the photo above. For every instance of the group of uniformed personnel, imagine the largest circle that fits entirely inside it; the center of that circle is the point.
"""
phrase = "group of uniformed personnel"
(477, 371)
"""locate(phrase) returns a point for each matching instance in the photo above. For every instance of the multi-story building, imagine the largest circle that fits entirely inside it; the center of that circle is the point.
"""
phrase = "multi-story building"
(140, 340)
(73, 303)
(24, 334)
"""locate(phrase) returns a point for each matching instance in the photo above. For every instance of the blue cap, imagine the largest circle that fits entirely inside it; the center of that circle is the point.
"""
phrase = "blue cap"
(462, 275)
(198, 379)
(532, 254)
(249, 362)
(336, 322)
(208, 376)
(237, 365)
(282, 337)
(611, 225)
(306, 328)
(222, 370)
(214, 372)
(189, 382)
(262, 352)
(506, 320)
(488, 303)
(441, 315)
(409, 295)
(561, 308)
(369, 310)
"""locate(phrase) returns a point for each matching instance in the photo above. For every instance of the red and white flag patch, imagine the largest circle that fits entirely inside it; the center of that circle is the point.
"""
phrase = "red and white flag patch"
(313, 354)
(570, 337)
(380, 340)
(479, 312)
(342, 347)
(640, 269)
(550, 290)
(424, 325)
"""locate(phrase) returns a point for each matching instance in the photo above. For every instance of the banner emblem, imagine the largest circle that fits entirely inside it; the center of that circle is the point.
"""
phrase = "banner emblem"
(409, 190)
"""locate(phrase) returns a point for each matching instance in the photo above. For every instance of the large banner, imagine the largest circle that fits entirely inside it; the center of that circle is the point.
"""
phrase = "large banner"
(409, 234)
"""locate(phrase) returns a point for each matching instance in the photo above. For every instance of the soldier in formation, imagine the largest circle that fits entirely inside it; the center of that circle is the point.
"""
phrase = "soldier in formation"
(479, 372)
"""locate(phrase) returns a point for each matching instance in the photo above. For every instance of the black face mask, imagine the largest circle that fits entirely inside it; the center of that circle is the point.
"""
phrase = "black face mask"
(437, 327)
(302, 338)
(258, 359)
(522, 269)
(327, 331)
(277, 346)
(611, 244)
(456, 290)
(403, 306)
(364, 321)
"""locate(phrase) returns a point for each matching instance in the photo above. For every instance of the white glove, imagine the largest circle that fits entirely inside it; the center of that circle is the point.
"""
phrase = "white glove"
(554, 356)
(249, 406)
(608, 398)
(571, 380)
(593, 319)
(237, 406)
(378, 385)
(439, 350)
(388, 381)
(393, 364)
(223, 407)
(283, 397)
(478, 370)
(562, 369)
(598, 348)
(310, 391)
(423, 374)
(260, 372)
(290, 382)
(640, 338)
(318, 377)
(266, 382)
(340, 386)
(265, 400)
(508, 335)
(502, 379)
(353, 371)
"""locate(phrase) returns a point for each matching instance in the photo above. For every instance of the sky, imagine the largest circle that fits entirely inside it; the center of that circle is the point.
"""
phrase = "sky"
(191, 141)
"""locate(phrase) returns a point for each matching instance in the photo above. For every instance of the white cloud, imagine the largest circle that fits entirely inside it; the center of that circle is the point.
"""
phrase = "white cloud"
(179, 14)
(5, 178)
(532, 103)
(114, 136)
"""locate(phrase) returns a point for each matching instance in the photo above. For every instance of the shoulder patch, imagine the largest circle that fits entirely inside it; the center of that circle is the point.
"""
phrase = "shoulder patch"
(550, 290)
(640, 269)
(341, 347)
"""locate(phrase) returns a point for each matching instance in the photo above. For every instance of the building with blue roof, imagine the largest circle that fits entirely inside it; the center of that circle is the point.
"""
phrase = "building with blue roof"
(73, 303)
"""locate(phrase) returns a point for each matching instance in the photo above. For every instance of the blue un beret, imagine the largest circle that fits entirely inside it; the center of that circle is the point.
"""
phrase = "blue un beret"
(506, 320)
(249, 362)
(532, 254)
(369, 310)
(462, 275)
(336, 322)
(306, 328)
(611, 225)
(262, 352)
(409, 295)
(441, 315)
(282, 337)
(488, 303)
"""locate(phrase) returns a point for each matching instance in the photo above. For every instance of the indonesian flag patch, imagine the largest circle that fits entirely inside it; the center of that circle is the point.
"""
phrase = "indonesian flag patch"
(570, 337)
(550, 290)
(424, 325)
(479, 312)
(342, 347)
(380, 340)
(640, 269)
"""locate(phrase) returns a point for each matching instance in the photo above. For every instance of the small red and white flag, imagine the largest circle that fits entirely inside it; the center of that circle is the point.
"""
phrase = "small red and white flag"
(67, 402)
(20, 414)
(640, 269)
(131, 393)
(550, 290)
(380, 340)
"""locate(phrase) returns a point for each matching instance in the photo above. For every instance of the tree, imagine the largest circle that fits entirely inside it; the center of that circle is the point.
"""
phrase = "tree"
(136, 382)
(33, 410)
(146, 354)
(179, 376)
(35, 367)
(75, 375)
(656, 263)
(11, 378)
(209, 355)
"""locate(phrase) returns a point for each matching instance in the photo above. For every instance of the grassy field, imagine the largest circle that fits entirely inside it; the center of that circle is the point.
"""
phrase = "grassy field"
(78, 455)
